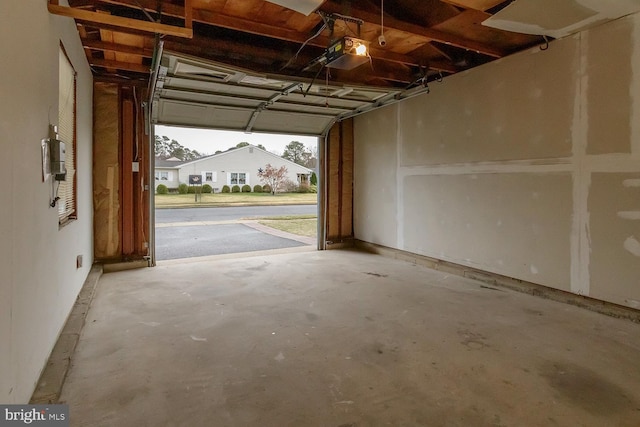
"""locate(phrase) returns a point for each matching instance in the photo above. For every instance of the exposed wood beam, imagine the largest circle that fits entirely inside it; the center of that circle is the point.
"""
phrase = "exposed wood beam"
(120, 22)
(431, 34)
(168, 9)
(119, 48)
(272, 31)
(188, 14)
(126, 66)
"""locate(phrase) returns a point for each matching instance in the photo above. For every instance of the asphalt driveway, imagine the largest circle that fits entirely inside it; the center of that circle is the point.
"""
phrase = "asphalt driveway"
(196, 232)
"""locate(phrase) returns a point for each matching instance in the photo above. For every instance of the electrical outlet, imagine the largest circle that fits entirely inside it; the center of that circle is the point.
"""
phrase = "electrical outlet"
(79, 261)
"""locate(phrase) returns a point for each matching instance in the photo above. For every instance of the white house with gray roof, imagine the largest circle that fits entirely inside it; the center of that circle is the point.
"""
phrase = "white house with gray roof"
(239, 166)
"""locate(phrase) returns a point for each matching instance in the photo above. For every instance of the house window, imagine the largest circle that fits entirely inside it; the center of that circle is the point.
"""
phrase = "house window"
(238, 178)
(67, 133)
(209, 176)
(162, 176)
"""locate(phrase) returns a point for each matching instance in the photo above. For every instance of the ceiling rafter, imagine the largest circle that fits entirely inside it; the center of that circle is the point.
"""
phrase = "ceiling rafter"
(116, 47)
(119, 65)
(280, 33)
(118, 21)
(429, 33)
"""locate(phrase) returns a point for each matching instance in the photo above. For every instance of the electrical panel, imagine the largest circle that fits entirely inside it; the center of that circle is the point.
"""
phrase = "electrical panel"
(57, 158)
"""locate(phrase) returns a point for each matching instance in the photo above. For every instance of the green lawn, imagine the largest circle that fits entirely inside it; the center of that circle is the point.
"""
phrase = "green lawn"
(233, 199)
(302, 227)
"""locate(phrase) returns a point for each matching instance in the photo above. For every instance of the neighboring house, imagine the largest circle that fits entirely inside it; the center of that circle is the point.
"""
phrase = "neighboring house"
(239, 166)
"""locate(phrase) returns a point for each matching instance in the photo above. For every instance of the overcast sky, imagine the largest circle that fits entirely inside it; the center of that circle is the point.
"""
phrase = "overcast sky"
(208, 141)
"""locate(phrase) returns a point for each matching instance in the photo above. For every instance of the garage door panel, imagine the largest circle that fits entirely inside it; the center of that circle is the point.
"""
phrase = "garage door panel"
(208, 116)
(273, 121)
(198, 93)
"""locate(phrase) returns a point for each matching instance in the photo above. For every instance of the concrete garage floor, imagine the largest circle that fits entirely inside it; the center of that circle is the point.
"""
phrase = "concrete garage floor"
(343, 338)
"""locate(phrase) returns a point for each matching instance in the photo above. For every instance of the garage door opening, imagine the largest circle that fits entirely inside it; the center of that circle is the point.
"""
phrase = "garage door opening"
(222, 192)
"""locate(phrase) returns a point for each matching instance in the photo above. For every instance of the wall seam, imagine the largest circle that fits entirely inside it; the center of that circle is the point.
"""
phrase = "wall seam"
(399, 183)
(580, 243)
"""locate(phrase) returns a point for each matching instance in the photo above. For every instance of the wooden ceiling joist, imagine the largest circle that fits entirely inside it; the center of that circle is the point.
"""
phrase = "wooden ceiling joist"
(391, 23)
(119, 22)
(280, 33)
(118, 65)
(115, 47)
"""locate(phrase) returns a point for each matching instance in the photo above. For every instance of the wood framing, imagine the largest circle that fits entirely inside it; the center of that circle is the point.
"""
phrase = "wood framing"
(120, 22)
(338, 185)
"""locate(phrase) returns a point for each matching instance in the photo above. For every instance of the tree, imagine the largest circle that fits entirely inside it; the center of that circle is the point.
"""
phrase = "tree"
(166, 148)
(297, 153)
(260, 146)
(273, 177)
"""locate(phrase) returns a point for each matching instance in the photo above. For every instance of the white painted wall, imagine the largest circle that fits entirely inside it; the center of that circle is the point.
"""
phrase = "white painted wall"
(527, 167)
(38, 277)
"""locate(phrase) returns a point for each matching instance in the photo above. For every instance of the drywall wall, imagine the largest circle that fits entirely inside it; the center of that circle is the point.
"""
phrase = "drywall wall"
(39, 280)
(528, 167)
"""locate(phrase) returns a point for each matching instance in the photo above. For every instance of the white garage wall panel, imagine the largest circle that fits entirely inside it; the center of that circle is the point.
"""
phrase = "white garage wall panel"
(39, 280)
(528, 167)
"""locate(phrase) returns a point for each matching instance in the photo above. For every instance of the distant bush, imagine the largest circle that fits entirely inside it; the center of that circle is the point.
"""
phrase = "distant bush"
(226, 189)
(162, 189)
(207, 188)
(173, 190)
(266, 188)
(183, 188)
(235, 189)
(289, 186)
(306, 188)
(257, 188)
(246, 188)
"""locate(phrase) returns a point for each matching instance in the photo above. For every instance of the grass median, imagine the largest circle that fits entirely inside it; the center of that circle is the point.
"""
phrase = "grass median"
(165, 201)
(302, 225)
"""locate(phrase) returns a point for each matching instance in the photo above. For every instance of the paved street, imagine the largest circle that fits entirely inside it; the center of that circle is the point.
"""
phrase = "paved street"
(195, 232)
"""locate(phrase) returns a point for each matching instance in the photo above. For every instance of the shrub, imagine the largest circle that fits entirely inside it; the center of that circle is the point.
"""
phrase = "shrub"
(257, 188)
(162, 189)
(314, 179)
(313, 189)
(183, 188)
(226, 189)
(304, 188)
(289, 186)
(235, 189)
(195, 189)
(266, 188)
(207, 188)
(246, 188)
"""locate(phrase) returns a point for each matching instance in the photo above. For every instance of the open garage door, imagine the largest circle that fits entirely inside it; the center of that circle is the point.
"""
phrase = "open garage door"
(191, 92)
(196, 93)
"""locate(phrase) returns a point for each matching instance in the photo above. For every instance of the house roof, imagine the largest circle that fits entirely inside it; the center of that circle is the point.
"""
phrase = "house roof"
(168, 163)
(173, 164)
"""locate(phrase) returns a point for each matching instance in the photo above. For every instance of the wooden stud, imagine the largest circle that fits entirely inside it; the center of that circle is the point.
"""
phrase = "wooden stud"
(128, 129)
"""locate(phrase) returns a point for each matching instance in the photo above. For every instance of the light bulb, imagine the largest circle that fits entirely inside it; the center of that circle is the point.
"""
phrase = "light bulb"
(361, 49)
